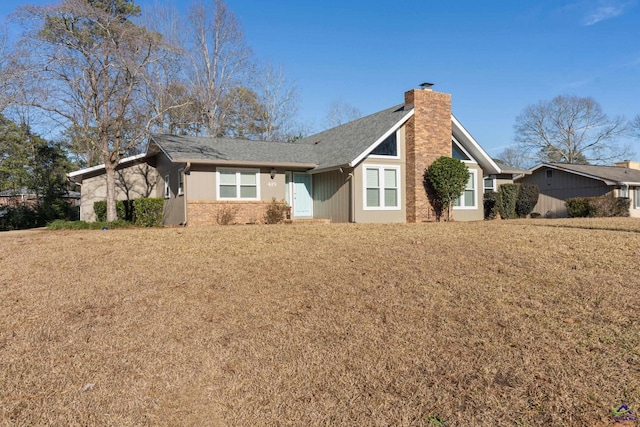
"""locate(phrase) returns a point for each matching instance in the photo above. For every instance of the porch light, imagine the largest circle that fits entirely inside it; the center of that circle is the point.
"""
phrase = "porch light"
(273, 173)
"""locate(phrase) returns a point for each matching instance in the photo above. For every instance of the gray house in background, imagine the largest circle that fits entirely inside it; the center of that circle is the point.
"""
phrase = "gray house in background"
(558, 182)
(367, 170)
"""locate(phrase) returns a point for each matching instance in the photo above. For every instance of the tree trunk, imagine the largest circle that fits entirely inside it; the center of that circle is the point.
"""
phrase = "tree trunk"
(112, 213)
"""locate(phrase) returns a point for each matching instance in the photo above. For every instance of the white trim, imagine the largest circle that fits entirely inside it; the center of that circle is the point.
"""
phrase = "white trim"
(471, 160)
(473, 177)
(181, 182)
(381, 156)
(393, 128)
(636, 198)
(237, 184)
(101, 166)
(382, 187)
(475, 147)
(493, 183)
(167, 186)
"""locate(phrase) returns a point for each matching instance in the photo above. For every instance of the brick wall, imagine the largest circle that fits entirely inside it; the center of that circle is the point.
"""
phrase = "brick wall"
(204, 212)
(428, 136)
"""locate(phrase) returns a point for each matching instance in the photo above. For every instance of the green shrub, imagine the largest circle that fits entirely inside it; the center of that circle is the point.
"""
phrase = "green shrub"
(527, 199)
(100, 209)
(18, 218)
(124, 210)
(83, 225)
(276, 212)
(579, 207)
(492, 203)
(148, 212)
(508, 197)
(444, 181)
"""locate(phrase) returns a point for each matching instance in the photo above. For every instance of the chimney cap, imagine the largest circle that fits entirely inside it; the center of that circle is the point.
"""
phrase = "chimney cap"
(426, 85)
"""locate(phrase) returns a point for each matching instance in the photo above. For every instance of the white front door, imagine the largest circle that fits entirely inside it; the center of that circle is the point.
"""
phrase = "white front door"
(302, 200)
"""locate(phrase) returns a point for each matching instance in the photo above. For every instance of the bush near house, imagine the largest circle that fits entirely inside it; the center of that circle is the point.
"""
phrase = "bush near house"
(492, 204)
(276, 212)
(147, 212)
(527, 199)
(597, 207)
(515, 200)
(508, 198)
(444, 181)
(144, 212)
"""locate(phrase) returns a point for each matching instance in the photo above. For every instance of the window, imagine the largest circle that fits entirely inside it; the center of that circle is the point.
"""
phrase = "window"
(382, 189)
(623, 192)
(636, 198)
(181, 184)
(467, 199)
(238, 184)
(388, 147)
(167, 188)
(489, 184)
(457, 152)
(549, 173)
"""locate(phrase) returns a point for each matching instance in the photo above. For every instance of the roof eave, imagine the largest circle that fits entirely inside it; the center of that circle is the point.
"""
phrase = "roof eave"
(369, 149)
(292, 165)
(479, 154)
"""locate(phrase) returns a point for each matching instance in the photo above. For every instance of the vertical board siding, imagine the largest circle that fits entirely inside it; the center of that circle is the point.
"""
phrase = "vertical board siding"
(331, 196)
(562, 186)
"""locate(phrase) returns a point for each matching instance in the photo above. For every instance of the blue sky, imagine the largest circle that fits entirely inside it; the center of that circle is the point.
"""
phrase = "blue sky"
(493, 57)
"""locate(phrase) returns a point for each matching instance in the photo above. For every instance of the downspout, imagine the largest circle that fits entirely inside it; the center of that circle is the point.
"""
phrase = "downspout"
(185, 193)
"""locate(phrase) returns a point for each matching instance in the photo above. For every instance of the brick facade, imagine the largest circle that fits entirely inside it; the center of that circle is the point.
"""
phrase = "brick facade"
(428, 136)
(205, 212)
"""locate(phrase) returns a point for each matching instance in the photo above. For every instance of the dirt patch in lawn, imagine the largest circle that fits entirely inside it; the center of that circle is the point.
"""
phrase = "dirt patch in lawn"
(502, 323)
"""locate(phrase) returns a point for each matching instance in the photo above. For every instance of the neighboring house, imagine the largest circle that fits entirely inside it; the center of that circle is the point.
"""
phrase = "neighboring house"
(559, 182)
(367, 170)
(24, 197)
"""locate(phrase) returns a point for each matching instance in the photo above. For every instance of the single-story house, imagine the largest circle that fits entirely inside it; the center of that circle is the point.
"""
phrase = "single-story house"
(367, 170)
(25, 197)
(559, 181)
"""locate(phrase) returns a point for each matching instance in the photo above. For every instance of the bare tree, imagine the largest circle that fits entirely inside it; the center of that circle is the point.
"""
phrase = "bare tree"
(89, 64)
(569, 129)
(279, 99)
(513, 157)
(634, 126)
(339, 113)
(220, 57)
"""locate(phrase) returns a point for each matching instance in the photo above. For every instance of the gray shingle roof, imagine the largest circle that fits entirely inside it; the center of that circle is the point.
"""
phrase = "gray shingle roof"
(605, 173)
(341, 145)
(331, 148)
(190, 148)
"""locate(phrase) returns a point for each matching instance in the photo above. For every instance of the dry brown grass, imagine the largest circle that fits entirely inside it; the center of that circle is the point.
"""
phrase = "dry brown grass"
(497, 324)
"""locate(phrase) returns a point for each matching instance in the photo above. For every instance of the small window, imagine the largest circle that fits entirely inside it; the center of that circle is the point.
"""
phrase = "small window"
(489, 184)
(388, 147)
(623, 192)
(167, 187)
(238, 184)
(636, 198)
(458, 153)
(181, 184)
(549, 173)
(467, 199)
(382, 188)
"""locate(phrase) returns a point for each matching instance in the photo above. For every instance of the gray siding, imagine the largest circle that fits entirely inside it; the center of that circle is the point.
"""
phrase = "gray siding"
(174, 205)
(560, 187)
(132, 182)
(331, 196)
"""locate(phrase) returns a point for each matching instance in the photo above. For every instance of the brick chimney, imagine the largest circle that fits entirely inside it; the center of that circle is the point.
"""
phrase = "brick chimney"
(628, 164)
(428, 136)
